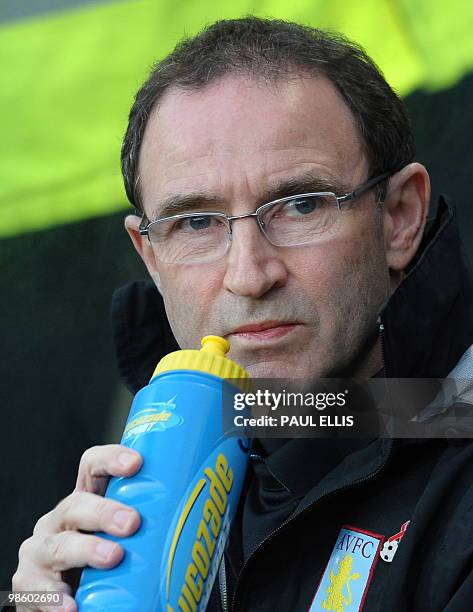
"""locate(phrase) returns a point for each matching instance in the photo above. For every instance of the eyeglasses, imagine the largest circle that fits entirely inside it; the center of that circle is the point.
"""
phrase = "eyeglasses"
(203, 237)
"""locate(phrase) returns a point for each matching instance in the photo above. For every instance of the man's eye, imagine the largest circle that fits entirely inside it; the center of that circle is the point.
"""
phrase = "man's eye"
(302, 206)
(197, 223)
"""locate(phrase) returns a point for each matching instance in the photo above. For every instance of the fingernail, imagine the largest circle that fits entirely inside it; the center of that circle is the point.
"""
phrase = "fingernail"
(121, 518)
(126, 459)
(105, 549)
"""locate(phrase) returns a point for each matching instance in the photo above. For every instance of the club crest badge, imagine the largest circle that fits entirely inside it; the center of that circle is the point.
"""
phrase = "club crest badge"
(349, 571)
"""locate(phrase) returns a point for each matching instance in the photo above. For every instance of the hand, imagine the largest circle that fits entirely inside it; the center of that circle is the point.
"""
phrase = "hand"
(58, 543)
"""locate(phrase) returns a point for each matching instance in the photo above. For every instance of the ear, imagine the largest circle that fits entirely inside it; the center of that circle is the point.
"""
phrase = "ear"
(405, 214)
(143, 247)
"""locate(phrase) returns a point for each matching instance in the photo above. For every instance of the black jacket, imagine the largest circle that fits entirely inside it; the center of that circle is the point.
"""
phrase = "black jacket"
(315, 515)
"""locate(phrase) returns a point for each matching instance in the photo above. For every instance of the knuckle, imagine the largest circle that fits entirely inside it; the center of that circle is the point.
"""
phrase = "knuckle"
(87, 458)
(72, 500)
(41, 522)
(47, 584)
(66, 507)
(25, 549)
(17, 581)
(103, 510)
(63, 506)
(55, 546)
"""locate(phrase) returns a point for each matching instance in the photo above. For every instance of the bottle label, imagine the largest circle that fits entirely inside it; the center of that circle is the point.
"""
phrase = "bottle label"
(200, 530)
(155, 416)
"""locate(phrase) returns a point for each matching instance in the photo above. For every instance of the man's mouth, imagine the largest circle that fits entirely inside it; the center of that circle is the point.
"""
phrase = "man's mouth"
(267, 330)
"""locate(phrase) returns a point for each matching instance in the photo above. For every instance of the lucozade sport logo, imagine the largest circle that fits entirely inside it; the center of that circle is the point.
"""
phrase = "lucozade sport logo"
(199, 538)
(155, 416)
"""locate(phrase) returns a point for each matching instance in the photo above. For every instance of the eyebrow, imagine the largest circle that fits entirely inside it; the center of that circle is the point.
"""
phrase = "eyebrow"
(304, 183)
(182, 203)
(195, 201)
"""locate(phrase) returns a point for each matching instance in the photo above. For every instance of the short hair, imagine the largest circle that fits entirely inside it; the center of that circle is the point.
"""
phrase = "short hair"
(274, 49)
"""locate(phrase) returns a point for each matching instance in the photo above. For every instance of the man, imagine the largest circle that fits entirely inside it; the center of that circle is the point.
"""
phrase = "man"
(342, 283)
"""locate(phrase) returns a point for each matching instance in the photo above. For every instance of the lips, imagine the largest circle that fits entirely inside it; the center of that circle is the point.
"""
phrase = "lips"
(265, 330)
(259, 327)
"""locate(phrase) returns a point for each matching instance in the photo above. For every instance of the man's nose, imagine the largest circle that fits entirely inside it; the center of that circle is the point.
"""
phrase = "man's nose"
(253, 265)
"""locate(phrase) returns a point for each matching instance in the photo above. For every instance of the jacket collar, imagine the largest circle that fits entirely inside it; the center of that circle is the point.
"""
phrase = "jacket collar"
(428, 322)
(141, 332)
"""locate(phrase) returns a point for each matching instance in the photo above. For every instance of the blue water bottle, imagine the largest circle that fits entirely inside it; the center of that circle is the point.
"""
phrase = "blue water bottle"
(186, 491)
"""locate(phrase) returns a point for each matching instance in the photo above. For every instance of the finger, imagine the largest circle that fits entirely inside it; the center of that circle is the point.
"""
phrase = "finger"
(88, 512)
(32, 581)
(71, 549)
(68, 605)
(98, 463)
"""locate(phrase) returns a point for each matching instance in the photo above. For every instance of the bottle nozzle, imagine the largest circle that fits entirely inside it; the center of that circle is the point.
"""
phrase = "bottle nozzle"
(215, 345)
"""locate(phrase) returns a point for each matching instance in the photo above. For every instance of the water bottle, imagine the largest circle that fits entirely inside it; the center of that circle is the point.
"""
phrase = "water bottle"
(186, 491)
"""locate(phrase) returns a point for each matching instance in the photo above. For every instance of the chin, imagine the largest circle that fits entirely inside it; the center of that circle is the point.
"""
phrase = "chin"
(273, 370)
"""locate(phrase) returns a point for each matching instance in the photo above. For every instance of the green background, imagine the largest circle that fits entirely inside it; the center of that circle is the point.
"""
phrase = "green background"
(68, 78)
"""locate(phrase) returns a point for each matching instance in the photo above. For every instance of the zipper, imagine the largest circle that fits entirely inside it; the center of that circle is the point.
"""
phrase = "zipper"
(383, 350)
(222, 572)
(222, 583)
(236, 601)
(352, 485)
(387, 386)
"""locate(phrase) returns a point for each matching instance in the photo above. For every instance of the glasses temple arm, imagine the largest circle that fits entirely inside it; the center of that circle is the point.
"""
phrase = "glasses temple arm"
(366, 187)
(143, 227)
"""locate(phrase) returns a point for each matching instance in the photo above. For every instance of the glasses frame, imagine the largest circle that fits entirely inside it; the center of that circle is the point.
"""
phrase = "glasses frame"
(228, 220)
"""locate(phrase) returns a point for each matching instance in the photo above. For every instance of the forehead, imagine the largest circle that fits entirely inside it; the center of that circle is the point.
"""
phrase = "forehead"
(236, 136)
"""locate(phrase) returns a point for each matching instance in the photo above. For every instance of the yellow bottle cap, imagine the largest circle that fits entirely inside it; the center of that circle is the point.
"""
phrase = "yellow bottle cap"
(210, 359)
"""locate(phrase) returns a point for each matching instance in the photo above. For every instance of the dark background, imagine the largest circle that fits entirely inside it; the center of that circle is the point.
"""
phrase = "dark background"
(60, 385)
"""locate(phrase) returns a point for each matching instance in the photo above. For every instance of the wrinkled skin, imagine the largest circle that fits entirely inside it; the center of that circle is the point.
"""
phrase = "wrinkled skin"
(232, 141)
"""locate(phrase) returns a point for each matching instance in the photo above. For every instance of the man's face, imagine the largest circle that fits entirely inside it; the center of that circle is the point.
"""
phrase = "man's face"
(234, 143)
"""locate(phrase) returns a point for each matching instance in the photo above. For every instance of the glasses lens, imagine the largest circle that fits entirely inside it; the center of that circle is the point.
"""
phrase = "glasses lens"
(189, 239)
(300, 220)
